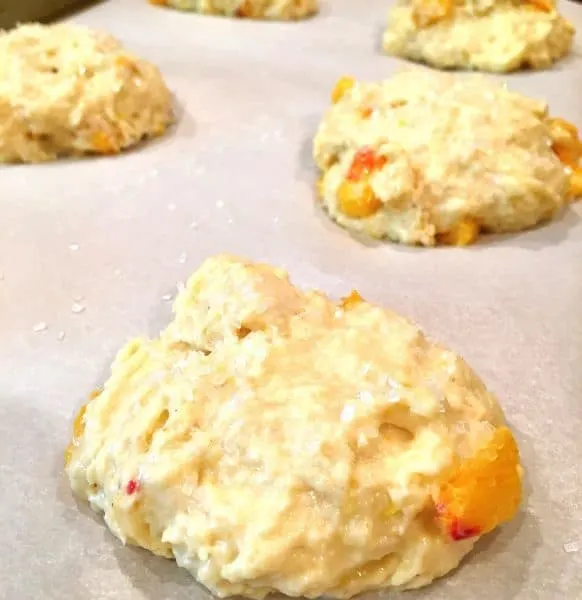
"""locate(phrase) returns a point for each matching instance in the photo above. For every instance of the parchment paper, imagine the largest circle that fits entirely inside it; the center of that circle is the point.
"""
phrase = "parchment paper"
(89, 251)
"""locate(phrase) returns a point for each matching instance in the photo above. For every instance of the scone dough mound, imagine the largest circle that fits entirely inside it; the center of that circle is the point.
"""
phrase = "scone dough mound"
(282, 10)
(273, 440)
(486, 35)
(66, 90)
(427, 158)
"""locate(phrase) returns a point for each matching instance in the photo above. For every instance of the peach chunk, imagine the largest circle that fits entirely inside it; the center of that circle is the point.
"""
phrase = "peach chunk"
(483, 491)
(464, 233)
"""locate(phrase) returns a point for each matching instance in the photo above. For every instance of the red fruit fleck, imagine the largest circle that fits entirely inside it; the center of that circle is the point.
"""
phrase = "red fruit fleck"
(459, 532)
(365, 161)
(132, 487)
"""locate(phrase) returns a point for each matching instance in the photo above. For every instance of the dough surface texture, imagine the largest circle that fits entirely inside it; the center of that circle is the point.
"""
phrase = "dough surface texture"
(273, 440)
(66, 90)
(280, 10)
(486, 35)
(427, 158)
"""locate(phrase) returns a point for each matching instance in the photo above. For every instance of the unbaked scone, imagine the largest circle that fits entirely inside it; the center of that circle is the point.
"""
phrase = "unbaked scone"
(427, 158)
(273, 440)
(282, 10)
(66, 90)
(487, 35)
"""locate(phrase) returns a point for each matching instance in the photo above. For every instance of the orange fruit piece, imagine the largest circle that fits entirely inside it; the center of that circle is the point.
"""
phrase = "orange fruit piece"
(568, 127)
(463, 234)
(483, 491)
(569, 154)
(366, 112)
(103, 143)
(542, 5)
(429, 12)
(575, 191)
(352, 299)
(245, 10)
(567, 146)
(344, 85)
(357, 199)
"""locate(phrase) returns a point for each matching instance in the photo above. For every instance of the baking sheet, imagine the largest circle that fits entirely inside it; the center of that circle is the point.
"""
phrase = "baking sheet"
(90, 251)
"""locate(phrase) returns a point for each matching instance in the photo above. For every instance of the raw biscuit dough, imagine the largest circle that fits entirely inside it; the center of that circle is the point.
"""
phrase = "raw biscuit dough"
(66, 90)
(284, 10)
(428, 157)
(273, 440)
(487, 35)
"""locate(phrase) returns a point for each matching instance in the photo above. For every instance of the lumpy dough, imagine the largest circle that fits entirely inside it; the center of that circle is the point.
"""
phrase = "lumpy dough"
(284, 10)
(273, 440)
(66, 90)
(487, 35)
(428, 157)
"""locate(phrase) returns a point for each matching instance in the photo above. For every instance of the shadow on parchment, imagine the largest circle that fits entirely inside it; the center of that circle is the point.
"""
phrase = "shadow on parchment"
(563, 64)
(502, 558)
(499, 565)
(506, 555)
(488, 563)
(47, 548)
(155, 576)
(549, 233)
(183, 125)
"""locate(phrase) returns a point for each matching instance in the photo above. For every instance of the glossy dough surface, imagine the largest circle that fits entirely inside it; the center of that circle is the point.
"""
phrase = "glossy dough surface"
(66, 90)
(421, 156)
(284, 10)
(487, 35)
(273, 440)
